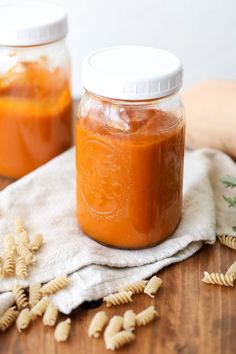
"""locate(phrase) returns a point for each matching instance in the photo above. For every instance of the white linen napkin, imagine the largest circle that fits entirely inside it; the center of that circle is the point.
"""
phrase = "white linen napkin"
(45, 199)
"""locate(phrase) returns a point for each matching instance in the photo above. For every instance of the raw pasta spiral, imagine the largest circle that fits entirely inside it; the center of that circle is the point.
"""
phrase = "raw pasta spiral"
(9, 264)
(40, 307)
(97, 324)
(114, 326)
(8, 317)
(129, 320)
(24, 252)
(146, 316)
(9, 243)
(152, 286)
(24, 319)
(232, 270)
(119, 340)
(62, 330)
(21, 268)
(123, 297)
(34, 294)
(24, 238)
(36, 243)
(228, 240)
(219, 279)
(20, 297)
(136, 287)
(54, 285)
(50, 315)
(19, 225)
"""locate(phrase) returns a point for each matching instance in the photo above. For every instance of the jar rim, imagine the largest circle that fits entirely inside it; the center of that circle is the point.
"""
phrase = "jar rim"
(32, 23)
(132, 73)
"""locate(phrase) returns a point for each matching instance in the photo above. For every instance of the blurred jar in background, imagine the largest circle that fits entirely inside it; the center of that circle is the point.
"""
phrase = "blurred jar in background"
(35, 94)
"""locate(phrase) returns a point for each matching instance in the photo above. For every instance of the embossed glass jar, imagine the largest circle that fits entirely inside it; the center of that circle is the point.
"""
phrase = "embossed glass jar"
(130, 146)
(35, 93)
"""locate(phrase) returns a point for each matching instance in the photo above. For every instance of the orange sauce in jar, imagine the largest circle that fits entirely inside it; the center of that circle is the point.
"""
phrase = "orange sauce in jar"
(129, 183)
(35, 117)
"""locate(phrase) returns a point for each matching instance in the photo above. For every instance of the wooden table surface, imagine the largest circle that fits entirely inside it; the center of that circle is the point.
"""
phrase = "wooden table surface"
(195, 318)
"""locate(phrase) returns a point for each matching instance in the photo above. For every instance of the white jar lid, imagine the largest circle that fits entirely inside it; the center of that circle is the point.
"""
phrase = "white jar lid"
(132, 73)
(31, 23)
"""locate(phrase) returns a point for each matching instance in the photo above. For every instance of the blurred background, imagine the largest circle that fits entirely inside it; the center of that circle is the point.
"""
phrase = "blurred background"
(202, 33)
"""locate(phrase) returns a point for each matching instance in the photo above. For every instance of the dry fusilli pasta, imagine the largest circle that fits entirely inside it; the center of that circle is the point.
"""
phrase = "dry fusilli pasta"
(34, 294)
(119, 340)
(129, 320)
(21, 268)
(123, 297)
(36, 243)
(24, 252)
(24, 238)
(19, 225)
(40, 307)
(114, 326)
(24, 319)
(231, 270)
(219, 279)
(54, 285)
(20, 297)
(152, 286)
(50, 315)
(62, 330)
(146, 316)
(8, 264)
(228, 240)
(9, 243)
(97, 324)
(7, 318)
(136, 287)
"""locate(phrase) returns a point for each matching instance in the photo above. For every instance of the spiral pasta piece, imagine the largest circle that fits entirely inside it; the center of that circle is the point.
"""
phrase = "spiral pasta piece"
(122, 297)
(24, 319)
(97, 324)
(21, 268)
(50, 315)
(7, 318)
(232, 270)
(152, 286)
(228, 240)
(19, 225)
(9, 243)
(146, 316)
(219, 279)
(129, 320)
(136, 287)
(1, 267)
(40, 308)
(55, 285)
(20, 297)
(119, 340)
(34, 294)
(24, 252)
(36, 243)
(24, 238)
(8, 268)
(62, 330)
(114, 326)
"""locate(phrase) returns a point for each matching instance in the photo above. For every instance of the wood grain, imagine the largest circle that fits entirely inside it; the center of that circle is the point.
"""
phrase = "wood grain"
(195, 318)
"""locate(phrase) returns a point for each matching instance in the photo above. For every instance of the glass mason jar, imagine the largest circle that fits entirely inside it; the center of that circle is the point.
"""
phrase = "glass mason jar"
(130, 147)
(35, 94)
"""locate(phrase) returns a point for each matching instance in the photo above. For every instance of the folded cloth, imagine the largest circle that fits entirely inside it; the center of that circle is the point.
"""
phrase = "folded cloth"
(45, 199)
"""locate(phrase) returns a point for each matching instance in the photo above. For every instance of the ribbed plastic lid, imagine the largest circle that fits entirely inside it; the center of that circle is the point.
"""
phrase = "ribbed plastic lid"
(132, 73)
(31, 23)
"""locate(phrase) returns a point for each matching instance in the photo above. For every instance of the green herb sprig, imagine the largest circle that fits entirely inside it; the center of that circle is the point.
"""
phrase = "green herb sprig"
(230, 182)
